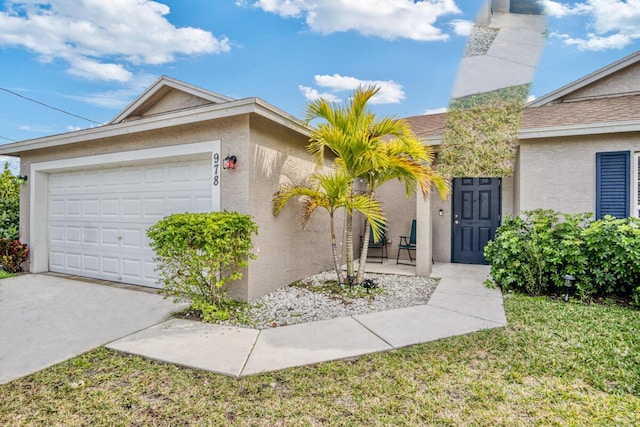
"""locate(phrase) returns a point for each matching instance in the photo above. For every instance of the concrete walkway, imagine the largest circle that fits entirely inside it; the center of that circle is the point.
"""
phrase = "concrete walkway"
(461, 304)
(511, 60)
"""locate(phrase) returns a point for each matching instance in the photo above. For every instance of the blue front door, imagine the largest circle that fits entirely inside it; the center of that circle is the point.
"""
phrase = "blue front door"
(476, 216)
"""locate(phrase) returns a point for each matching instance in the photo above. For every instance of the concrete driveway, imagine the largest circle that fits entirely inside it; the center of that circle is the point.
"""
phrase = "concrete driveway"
(45, 319)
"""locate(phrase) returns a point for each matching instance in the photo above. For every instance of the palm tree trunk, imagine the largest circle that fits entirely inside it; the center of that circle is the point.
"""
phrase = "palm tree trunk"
(350, 268)
(363, 253)
(336, 263)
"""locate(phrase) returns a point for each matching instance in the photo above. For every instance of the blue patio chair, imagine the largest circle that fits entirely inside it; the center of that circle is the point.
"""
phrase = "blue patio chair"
(381, 245)
(408, 243)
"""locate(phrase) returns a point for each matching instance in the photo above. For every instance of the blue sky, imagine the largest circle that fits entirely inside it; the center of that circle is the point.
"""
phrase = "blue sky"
(92, 57)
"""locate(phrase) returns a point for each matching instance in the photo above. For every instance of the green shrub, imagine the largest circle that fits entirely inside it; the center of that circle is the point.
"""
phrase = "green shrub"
(635, 297)
(9, 219)
(12, 255)
(533, 252)
(612, 247)
(199, 255)
(9, 204)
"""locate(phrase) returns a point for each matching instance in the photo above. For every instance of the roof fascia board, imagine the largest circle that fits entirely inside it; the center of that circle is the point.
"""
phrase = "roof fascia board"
(586, 80)
(274, 114)
(209, 112)
(580, 130)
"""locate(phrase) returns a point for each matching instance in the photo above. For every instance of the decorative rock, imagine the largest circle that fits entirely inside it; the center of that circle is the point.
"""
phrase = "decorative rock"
(292, 304)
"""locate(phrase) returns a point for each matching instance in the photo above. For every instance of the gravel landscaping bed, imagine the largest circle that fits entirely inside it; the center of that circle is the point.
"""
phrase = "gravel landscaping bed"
(480, 40)
(311, 299)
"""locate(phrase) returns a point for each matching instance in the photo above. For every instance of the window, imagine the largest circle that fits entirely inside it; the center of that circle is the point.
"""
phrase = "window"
(613, 184)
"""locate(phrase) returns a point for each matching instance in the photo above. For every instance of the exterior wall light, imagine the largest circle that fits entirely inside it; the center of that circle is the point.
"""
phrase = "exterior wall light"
(23, 178)
(568, 285)
(229, 162)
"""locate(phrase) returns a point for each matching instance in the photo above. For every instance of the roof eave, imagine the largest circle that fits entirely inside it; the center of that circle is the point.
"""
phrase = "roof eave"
(209, 112)
(580, 130)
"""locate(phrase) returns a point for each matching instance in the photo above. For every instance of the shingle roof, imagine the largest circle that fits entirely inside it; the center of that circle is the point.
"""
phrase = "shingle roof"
(603, 110)
(427, 125)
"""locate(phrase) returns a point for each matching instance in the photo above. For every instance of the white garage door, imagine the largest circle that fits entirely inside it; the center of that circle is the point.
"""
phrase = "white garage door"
(98, 218)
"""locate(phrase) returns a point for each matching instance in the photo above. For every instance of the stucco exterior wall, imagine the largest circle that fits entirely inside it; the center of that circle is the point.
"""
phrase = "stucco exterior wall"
(559, 173)
(441, 229)
(175, 100)
(285, 253)
(625, 81)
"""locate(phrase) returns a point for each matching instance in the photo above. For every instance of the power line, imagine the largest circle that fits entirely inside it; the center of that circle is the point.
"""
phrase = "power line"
(8, 139)
(49, 106)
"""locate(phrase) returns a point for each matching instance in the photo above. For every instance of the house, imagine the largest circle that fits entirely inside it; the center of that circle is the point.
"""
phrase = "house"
(579, 151)
(91, 194)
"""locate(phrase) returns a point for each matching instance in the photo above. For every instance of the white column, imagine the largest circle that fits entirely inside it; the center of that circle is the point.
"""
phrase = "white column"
(424, 252)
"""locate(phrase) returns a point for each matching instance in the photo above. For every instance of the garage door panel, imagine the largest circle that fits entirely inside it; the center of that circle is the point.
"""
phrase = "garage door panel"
(132, 238)
(202, 204)
(131, 269)
(73, 207)
(98, 218)
(73, 234)
(111, 266)
(178, 174)
(56, 260)
(73, 261)
(91, 180)
(91, 263)
(110, 207)
(56, 208)
(90, 207)
(154, 175)
(132, 207)
(90, 235)
(109, 236)
(56, 233)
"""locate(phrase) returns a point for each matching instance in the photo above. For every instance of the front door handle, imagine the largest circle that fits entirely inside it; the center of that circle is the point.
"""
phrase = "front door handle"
(456, 222)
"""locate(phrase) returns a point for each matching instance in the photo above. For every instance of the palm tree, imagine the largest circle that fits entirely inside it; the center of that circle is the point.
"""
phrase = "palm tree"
(373, 149)
(329, 191)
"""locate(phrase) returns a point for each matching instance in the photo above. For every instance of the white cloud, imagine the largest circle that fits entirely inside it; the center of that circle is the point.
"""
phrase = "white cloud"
(594, 42)
(612, 24)
(390, 91)
(97, 38)
(616, 16)
(388, 19)
(558, 10)
(462, 27)
(312, 94)
(435, 110)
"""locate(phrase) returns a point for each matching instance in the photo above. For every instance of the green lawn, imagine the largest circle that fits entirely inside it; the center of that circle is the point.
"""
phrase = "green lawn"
(555, 364)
